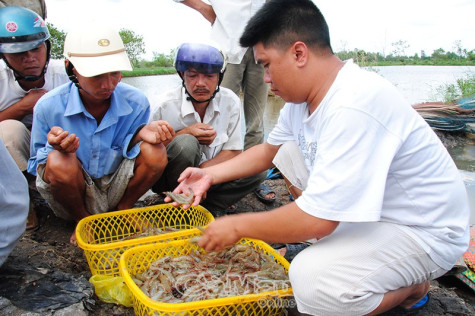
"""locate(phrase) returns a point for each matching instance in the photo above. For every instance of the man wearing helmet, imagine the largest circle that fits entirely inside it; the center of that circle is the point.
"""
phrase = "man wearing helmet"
(91, 146)
(26, 74)
(207, 120)
(228, 19)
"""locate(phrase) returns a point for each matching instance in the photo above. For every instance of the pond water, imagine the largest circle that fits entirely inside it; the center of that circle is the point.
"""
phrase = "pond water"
(416, 83)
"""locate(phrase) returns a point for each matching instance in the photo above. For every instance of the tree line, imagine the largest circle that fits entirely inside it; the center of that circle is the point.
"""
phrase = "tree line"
(135, 47)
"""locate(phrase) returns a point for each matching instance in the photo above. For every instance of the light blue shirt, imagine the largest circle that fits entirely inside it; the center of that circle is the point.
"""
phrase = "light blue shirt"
(101, 148)
(14, 202)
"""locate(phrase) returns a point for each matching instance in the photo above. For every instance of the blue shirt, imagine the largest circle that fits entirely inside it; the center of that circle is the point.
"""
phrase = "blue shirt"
(14, 202)
(101, 148)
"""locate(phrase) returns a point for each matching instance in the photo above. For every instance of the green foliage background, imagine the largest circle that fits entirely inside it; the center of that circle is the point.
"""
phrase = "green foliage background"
(163, 63)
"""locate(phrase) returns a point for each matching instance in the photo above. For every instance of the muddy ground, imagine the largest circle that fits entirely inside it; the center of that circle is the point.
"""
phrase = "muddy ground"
(45, 275)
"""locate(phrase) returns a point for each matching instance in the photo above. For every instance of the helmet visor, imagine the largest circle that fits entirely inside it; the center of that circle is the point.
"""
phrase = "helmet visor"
(20, 44)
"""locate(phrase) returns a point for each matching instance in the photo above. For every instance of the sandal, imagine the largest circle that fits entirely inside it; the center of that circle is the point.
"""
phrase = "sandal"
(262, 191)
(274, 173)
(414, 309)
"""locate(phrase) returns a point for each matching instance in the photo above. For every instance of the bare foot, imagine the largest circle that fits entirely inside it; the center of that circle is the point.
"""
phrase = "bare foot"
(72, 240)
(282, 251)
(419, 292)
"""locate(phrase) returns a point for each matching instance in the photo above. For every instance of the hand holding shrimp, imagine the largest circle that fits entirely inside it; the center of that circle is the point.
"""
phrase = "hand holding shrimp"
(192, 180)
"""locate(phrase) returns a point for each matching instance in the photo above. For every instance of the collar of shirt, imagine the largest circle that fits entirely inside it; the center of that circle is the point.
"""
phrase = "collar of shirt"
(116, 109)
(187, 108)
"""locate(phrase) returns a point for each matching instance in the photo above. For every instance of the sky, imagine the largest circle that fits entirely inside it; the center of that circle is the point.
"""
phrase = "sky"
(370, 25)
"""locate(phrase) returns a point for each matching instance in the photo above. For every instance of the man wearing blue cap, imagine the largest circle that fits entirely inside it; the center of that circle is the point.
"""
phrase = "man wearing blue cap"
(207, 121)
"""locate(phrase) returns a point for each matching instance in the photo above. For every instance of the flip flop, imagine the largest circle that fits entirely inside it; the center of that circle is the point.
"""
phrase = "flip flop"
(274, 173)
(414, 309)
(262, 191)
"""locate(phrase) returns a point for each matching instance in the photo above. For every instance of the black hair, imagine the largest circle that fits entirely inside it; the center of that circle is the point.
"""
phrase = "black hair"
(280, 23)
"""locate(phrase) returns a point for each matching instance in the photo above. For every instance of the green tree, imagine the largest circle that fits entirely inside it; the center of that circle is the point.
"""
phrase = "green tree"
(439, 54)
(163, 60)
(57, 41)
(134, 45)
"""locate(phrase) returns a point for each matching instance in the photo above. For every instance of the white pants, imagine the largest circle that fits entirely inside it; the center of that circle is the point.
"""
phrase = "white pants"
(290, 163)
(349, 271)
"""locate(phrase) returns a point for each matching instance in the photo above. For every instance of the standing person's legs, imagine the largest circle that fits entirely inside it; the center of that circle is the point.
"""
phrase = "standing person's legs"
(248, 76)
(255, 92)
(233, 77)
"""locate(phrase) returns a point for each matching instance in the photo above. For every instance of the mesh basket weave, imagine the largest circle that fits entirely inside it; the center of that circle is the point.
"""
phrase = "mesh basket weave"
(138, 259)
(101, 236)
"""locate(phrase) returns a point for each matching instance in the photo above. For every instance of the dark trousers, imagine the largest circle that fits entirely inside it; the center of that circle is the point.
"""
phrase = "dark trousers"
(184, 151)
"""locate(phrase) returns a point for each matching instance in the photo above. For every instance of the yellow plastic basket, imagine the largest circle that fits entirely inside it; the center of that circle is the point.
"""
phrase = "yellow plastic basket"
(101, 236)
(138, 259)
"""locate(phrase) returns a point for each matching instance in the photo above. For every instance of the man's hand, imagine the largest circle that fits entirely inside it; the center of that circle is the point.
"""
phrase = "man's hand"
(156, 132)
(195, 179)
(204, 133)
(220, 233)
(202, 7)
(29, 100)
(62, 141)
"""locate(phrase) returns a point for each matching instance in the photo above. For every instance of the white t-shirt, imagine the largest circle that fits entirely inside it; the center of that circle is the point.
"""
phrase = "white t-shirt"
(223, 114)
(231, 19)
(371, 157)
(11, 92)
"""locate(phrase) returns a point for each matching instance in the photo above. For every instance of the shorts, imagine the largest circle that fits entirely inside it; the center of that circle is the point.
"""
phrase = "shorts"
(16, 138)
(349, 271)
(290, 163)
(102, 195)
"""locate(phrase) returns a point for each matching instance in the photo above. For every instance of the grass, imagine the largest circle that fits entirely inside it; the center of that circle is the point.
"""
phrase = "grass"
(463, 87)
(149, 71)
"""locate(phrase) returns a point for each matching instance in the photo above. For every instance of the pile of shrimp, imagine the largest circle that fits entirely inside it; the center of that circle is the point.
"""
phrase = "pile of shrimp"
(151, 231)
(234, 271)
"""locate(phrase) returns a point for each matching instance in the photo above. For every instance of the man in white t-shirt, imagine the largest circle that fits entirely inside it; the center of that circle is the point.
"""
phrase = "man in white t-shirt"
(26, 74)
(207, 121)
(383, 198)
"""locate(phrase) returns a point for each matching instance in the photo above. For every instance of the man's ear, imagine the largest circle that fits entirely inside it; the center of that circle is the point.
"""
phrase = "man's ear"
(300, 53)
(68, 66)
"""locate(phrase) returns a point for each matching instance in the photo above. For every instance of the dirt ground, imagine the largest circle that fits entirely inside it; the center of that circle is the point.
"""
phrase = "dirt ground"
(45, 275)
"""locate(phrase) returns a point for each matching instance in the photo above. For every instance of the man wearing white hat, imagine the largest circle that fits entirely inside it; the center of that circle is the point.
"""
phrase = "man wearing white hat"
(91, 146)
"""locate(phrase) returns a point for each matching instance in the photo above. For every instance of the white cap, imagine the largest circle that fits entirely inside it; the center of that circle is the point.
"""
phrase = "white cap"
(96, 49)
